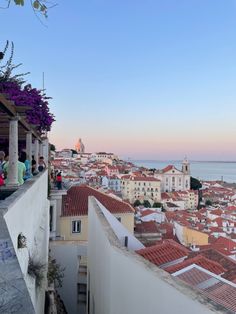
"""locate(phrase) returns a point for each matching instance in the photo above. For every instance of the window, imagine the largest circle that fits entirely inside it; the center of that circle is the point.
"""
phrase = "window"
(76, 226)
(81, 288)
(51, 218)
(118, 218)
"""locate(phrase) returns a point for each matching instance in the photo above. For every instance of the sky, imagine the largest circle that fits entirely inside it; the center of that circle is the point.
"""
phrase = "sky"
(146, 79)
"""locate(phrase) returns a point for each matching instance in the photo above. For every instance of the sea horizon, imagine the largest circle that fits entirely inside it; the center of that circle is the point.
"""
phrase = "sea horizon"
(179, 160)
(209, 170)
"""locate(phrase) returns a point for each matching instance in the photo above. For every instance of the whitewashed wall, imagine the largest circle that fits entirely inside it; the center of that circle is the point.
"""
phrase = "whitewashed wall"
(123, 282)
(27, 212)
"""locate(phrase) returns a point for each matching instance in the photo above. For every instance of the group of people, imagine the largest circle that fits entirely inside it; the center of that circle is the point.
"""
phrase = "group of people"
(56, 178)
(25, 168)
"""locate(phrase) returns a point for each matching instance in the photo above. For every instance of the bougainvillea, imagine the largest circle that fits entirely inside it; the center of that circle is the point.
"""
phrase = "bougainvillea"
(14, 87)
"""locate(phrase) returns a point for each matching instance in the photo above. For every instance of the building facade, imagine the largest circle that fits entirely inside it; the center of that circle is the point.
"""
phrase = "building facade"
(140, 188)
(173, 179)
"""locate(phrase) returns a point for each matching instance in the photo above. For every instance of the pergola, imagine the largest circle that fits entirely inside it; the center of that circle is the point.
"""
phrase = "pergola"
(14, 128)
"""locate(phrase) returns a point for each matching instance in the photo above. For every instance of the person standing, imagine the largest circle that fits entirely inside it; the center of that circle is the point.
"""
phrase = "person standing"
(21, 171)
(59, 181)
(2, 161)
(23, 158)
(42, 164)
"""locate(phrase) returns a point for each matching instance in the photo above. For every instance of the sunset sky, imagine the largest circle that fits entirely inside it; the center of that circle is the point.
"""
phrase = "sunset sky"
(146, 79)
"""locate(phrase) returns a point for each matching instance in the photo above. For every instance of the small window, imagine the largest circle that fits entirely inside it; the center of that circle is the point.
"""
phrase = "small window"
(76, 226)
(118, 218)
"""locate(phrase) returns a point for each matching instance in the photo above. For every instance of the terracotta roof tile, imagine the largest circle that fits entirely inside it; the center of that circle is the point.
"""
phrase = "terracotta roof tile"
(219, 291)
(200, 260)
(168, 168)
(166, 252)
(146, 227)
(75, 203)
(227, 263)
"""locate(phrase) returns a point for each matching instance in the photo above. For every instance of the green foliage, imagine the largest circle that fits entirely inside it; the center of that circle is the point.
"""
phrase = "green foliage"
(137, 203)
(208, 203)
(37, 5)
(146, 204)
(55, 273)
(195, 184)
(73, 151)
(19, 2)
(36, 270)
(52, 147)
(157, 205)
(152, 169)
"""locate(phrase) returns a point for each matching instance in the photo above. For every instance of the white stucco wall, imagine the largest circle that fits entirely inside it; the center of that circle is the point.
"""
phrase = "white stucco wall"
(27, 212)
(67, 254)
(123, 282)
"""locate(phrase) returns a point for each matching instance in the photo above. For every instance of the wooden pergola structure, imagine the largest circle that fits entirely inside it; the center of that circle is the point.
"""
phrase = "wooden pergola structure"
(14, 129)
(8, 111)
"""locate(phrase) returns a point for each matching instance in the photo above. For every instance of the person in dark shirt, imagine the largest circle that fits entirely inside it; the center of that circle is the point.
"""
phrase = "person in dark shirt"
(42, 164)
(59, 181)
(33, 166)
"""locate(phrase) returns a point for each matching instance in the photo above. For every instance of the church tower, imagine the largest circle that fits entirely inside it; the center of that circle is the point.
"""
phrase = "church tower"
(79, 147)
(186, 166)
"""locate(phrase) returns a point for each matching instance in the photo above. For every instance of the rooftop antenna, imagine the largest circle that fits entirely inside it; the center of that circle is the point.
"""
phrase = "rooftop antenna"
(43, 81)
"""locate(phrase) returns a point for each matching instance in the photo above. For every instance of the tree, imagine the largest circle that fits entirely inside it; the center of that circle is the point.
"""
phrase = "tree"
(146, 204)
(52, 147)
(157, 205)
(38, 6)
(73, 151)
(55, 273)
(208, 203)
(195, 184)
(137, 203)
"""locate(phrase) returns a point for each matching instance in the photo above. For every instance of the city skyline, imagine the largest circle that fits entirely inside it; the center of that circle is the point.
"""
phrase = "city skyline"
(146, 80)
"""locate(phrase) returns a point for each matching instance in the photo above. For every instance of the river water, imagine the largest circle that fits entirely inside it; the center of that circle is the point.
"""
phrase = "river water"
(204, 170)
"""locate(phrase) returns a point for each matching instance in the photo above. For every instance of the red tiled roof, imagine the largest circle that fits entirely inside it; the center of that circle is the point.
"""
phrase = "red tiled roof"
(226, 262)
(146, 227)
(163, 253)
(139, 178)
(75, 203)
(231, 208)
(216, 212)
(168, 168)
(194, 276)
(145, 179)
(165, 196)
(227, 243)
(199, 260)
(147, 212)
(220, 292)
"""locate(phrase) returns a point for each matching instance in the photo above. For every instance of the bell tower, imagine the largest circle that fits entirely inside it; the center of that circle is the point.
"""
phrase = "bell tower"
(186, 166)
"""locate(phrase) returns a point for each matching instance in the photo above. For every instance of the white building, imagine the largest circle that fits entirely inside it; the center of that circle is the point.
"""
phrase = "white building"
(140, 188)
(103, 156)
(120, 281)
(173, 179)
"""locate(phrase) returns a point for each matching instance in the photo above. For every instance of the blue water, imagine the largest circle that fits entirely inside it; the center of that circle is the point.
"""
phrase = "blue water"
(199, 169)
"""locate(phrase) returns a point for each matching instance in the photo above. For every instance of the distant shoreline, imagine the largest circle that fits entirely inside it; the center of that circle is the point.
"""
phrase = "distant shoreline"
(180, 161)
